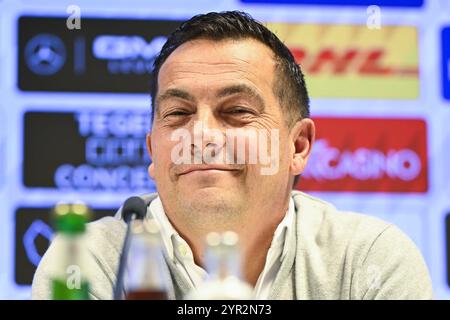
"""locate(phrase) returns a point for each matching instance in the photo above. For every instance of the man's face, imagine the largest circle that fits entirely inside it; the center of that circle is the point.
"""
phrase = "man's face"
(218, 86)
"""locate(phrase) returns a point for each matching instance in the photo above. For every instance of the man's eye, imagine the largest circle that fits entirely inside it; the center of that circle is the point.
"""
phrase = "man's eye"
(239, 111)
(177, 113)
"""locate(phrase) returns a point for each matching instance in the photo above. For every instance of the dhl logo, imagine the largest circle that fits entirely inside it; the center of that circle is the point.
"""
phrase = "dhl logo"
(352, 61)
(363, 62)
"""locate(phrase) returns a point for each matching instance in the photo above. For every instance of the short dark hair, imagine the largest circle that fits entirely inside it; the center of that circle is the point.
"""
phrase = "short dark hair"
(289, 87)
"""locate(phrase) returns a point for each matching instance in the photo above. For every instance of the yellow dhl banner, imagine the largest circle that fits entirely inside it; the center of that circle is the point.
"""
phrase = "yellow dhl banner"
(353, 61)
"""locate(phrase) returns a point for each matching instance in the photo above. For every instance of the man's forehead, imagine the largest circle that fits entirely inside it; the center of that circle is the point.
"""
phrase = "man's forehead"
(219, 61)
(223, 55)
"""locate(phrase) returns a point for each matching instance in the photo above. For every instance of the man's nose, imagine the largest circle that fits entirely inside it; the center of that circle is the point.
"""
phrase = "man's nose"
(208, 118)
(207, 133)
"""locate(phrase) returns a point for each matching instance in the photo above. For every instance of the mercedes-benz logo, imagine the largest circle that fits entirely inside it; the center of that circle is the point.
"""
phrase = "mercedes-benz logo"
(45, 54)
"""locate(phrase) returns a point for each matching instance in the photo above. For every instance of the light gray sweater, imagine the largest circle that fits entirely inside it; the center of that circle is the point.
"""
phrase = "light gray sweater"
(331, 255)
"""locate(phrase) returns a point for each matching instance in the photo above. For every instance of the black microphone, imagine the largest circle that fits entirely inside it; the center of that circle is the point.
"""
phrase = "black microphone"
(133, 208)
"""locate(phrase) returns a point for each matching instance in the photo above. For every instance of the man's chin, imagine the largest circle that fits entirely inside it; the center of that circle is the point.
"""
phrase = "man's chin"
(211, 205)
(207, 195)
(209, 191)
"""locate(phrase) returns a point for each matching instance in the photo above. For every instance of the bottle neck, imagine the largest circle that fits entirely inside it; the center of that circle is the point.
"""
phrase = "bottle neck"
(71, 228)
(223, 262)
(70, 280)
(146, 276)
(71, 253)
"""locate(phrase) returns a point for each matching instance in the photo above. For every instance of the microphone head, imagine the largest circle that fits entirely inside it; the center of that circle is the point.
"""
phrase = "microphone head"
(136, 206)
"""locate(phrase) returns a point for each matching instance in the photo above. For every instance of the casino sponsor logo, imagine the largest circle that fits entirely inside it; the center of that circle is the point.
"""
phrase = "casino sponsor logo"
(106, 55)
(368, 155)
(386, 3)
(353, 61)
(87, 150)
(32, 238)
(446, 62)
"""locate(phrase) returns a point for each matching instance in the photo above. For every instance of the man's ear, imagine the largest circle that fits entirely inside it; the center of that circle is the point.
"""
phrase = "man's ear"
(151, 167)
(302, 138)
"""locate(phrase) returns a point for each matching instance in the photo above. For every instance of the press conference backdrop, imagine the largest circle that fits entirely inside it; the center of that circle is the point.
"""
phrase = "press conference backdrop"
(74, 111)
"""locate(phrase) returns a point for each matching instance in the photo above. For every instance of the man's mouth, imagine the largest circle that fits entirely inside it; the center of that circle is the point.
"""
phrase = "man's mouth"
(186, 169)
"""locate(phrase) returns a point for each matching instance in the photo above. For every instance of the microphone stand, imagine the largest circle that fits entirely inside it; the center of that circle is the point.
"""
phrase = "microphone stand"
(133, 208)
(123, 261)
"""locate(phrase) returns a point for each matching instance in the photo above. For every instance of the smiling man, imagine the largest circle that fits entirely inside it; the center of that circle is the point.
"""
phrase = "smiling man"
(231, 134)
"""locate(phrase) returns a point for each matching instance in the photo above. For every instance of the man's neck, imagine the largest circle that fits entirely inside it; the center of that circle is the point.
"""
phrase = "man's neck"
(255, 237)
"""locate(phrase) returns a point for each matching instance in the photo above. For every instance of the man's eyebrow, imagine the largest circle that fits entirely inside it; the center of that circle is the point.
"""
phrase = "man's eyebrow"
(174, 93)
(242, 89)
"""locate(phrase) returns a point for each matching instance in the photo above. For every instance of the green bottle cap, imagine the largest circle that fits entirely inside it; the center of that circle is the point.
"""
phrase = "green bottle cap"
(71, 218)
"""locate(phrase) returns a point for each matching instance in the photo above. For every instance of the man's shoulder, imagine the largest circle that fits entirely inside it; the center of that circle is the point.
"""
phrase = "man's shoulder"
(340, 249)
(335, 234)
(106, 235)
(321, 216)
(106, 232)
